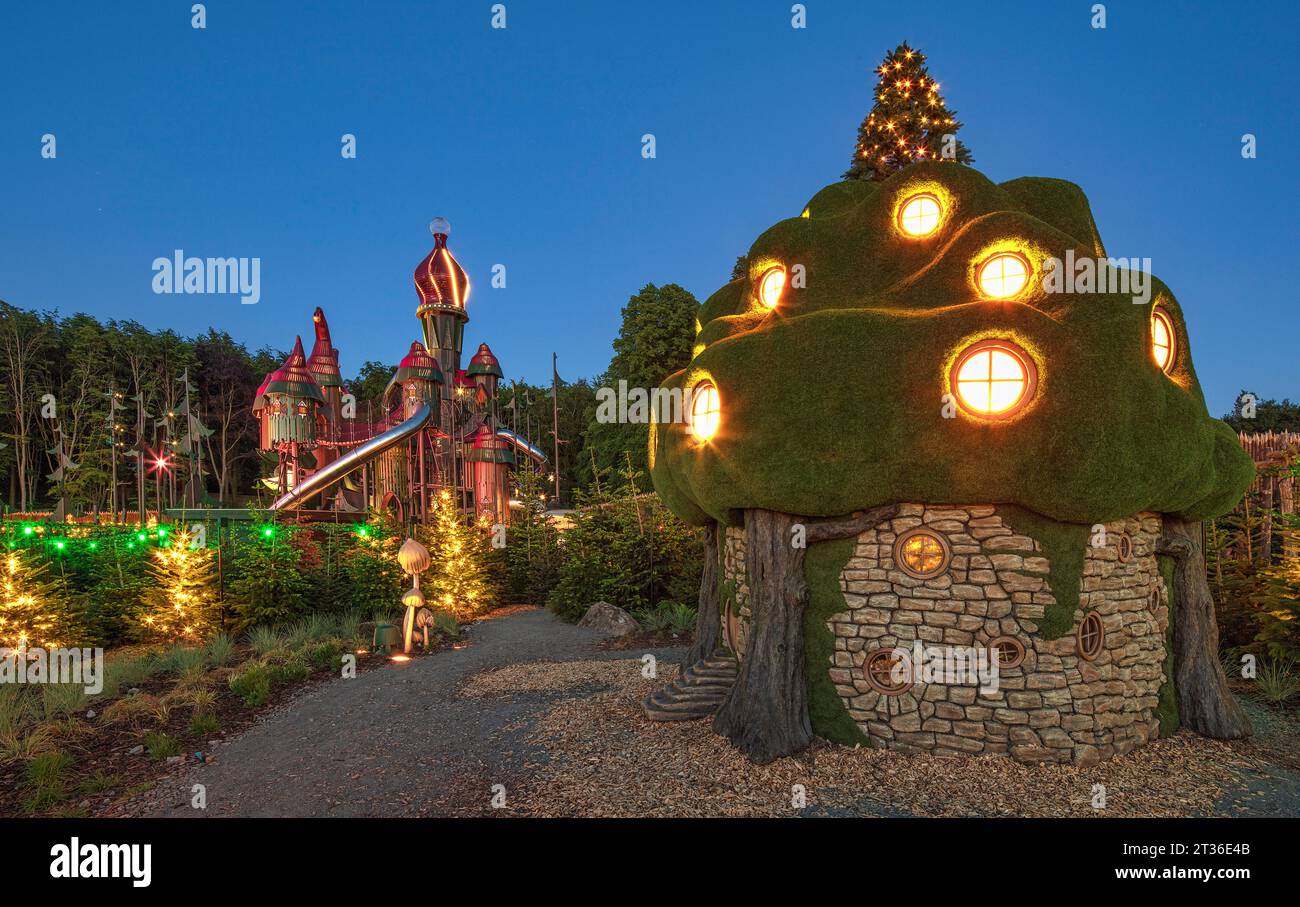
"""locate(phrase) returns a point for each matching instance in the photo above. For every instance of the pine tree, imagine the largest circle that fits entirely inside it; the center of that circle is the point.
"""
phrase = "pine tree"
(32, 608)
(179, 607)
(909, 122)
(458, 581)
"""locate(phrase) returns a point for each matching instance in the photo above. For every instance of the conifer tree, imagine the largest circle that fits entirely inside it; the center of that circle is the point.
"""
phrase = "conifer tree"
(909, 122)
(32, 608)
(458, 579)
(179, 607)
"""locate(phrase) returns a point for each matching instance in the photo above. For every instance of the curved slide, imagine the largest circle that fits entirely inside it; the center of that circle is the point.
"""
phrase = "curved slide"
(353, 459)
(521, 445)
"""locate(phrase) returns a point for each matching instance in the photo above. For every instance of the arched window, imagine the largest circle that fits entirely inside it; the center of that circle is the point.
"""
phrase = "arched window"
(706, 410)
(1090, 638)
(771, 285)
(1162, 339)
(994, 378)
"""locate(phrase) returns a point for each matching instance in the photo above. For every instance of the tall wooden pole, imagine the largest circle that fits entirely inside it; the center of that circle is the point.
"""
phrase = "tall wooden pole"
(555, 422)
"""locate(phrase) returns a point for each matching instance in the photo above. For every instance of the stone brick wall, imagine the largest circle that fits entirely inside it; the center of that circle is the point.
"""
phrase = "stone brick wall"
(1055, 706)
(733, 571)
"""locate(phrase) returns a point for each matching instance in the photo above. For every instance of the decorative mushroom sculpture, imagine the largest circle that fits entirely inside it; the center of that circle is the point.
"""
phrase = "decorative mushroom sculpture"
(414, 560)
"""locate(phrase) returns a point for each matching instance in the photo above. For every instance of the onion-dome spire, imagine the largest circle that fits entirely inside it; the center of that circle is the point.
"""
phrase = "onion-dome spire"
(324, 361)
(484, 363)
(440, 281)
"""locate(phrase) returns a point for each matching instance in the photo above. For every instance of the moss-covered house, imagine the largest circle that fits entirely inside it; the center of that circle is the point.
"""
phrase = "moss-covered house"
(932, 417)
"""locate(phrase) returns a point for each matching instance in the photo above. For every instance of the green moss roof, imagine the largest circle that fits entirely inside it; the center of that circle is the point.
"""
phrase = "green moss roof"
(833, 401)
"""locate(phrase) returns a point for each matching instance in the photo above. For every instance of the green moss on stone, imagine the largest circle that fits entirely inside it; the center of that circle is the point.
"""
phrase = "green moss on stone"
(1065, 545)
(1167, 708)
(823, 564)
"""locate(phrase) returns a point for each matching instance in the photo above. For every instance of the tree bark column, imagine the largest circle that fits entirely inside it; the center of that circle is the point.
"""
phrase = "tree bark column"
(766, 713)
(708, 617)
(1205, 704)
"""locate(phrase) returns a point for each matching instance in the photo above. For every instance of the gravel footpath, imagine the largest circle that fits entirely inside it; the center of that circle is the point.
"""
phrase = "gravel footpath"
(533, 710)
(398, 741)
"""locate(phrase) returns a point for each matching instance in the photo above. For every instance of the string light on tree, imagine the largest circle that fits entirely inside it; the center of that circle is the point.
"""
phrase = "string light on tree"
(178, 608)
(909, 122)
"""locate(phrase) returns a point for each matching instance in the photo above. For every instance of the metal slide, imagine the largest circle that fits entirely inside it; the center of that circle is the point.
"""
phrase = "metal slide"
(521, 445)
(332, 472)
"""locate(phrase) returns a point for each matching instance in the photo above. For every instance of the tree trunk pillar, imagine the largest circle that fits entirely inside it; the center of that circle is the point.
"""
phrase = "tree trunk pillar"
(766, 713)
(708, 617)
(1205, 704)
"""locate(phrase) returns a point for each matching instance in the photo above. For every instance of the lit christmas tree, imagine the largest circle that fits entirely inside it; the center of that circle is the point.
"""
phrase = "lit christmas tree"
(179, 607)
(909, 123)
(458, 580)
(32, 608)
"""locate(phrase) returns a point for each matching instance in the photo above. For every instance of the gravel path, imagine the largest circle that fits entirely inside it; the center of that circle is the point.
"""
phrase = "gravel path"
(398, 741)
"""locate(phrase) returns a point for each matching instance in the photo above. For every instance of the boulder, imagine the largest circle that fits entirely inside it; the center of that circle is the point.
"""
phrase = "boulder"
(609, 619)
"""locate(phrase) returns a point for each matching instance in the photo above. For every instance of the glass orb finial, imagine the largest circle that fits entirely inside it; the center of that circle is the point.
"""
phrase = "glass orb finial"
(439, 225)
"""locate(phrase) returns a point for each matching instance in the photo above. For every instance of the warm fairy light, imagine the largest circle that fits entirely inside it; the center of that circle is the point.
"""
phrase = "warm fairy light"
(399, 658)
(178, 605)
(993, 378)
(1162, 340)
(1003, 275)
(920, 215)
(706, 410)
(771, 285)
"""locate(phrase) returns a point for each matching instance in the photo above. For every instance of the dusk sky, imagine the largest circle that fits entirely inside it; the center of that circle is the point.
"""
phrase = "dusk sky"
(226, 142)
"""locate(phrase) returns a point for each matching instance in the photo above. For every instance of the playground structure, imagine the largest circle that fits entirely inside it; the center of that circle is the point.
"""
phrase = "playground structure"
(436, 428)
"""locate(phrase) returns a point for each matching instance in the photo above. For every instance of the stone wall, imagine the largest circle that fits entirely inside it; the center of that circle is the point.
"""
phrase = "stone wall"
(1055, 706)
(733, 573)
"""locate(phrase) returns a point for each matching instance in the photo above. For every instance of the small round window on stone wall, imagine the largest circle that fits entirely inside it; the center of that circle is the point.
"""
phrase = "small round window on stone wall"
(1090, 637)
(1155, 598)
(922, 553)
(1124, 545)
(888, 671)
(1011, 652)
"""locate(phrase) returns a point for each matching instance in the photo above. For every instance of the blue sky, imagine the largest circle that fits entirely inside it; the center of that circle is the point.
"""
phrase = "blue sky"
(225, 142)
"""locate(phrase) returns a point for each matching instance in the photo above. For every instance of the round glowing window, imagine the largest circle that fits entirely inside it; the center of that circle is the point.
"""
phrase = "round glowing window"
(1003, 275)
(771, 286)
(921, 553)
(994, 378)
(706, 410)
(920, 215)
(1162, 339)
(888, 671)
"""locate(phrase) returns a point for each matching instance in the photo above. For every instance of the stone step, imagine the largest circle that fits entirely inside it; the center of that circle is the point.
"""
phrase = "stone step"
(697, 693)
(690, 679)
(659, 710)
(674, 693)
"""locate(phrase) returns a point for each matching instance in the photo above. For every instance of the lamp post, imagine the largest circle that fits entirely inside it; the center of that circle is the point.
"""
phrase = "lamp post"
(414, 560)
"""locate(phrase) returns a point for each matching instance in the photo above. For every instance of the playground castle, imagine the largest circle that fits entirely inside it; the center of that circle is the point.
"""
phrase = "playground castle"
(435, 427)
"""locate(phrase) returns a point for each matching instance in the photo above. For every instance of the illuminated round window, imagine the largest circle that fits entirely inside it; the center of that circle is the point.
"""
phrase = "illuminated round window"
(1003, 275)
(888, 671)
(706, 410)
(1010, 652)
(1162, 340)
(1090, 638)
(921, 553)
(920, 215)
(771, 285)
(994, 378)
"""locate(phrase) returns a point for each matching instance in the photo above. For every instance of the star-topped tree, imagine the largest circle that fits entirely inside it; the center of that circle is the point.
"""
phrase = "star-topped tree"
(909, 122)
